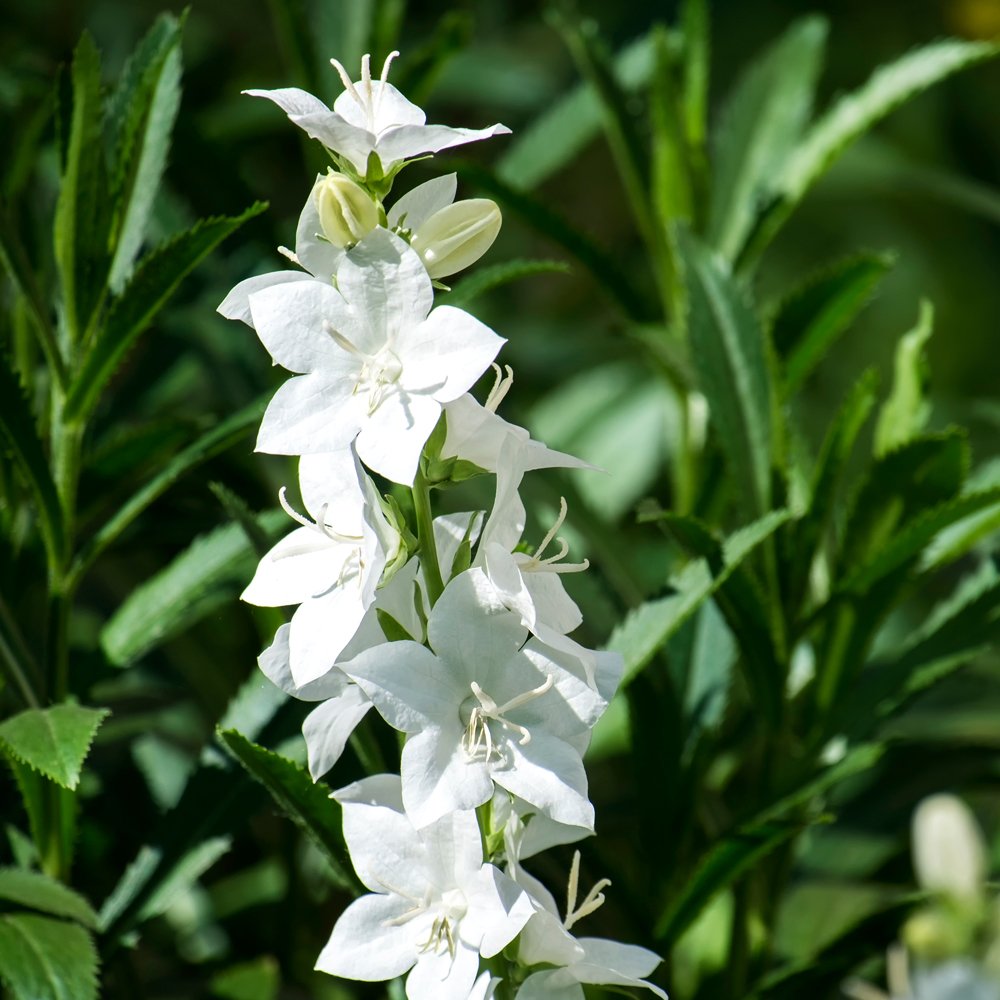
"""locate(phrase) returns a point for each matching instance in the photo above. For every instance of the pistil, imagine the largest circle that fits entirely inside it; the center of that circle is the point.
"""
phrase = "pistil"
(593, 900)
(536, 564)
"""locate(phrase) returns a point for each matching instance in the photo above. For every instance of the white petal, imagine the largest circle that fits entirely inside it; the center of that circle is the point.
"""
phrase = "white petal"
(553, 984)
(393, 109)
(506, 520)
(236, 305)
(484, 987)
(423, 201)
(552, 604)
(387, 287)
(304, 563)
(331, 478)
(318, 256)
(549, 774)
(393, 437)
(475, 433)
(327, 728)
(454, 850)
(376, 790)
(321, 628)
(627, 959)
(275, 663)
(498, 909)
(538, 456)
(446, 354)
(544, 939)
(449, 530)
(413, 140)
(408, 685)
(342, 137)
(292, 101)
(541, 833)
(438, 976)
(472, 631)
(311, 413)
(439, 777)
(362, 947)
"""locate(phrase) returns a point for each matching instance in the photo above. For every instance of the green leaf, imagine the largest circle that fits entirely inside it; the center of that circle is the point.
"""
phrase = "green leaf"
(488, 278)
(808, 532)
(906, 411)
(45, 959)
(258, 979)
(155, 280)
(760, 125)
(729, 858)
(217, 440)
(53, 740)
(210, 572)
(82, 210)
(17, 431)
(540, 216)
(855, 113)
(183, 875)
(307, 804)
(39, 892)
(810, 320)
(647, 628)
(559, 134)
(391, 628)
(141, 114)
(727, 346)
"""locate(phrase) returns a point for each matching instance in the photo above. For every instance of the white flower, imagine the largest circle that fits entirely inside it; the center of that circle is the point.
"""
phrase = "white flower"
(546, 940)
(435, 906)
(530, 585)
(949, 854)
(371, 118)
(483, 707)
(376, 365)
(476, 433)
(330, 566)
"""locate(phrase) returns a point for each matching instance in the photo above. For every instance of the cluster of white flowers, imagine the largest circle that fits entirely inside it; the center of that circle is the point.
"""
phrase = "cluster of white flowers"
(448, 627)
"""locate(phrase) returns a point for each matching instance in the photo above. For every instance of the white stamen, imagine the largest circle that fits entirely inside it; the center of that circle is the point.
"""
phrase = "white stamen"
(592, 901)
(420, 905)
(500, 387)
(285, 252)
(477, 733)
(320, 525)
(366, 99)
(536, 564)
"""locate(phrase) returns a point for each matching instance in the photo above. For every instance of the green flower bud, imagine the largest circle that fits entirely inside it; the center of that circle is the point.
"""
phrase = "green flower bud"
(457, 235)
(346, 211)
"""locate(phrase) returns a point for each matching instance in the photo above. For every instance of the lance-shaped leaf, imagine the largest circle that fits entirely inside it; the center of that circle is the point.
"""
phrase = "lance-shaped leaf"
(488, 278)
(648, 627)
(141, 113)
(810, 320)
(210, 572)
(760, 125)
(53, 740)
(154, 281)
(46, 959)
(17, 428)
(217, 440)
(727, 346)
(307, 804)
(82, 212)
(39, 892)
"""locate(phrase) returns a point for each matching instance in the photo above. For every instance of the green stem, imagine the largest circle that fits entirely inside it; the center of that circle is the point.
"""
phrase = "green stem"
(425, 538)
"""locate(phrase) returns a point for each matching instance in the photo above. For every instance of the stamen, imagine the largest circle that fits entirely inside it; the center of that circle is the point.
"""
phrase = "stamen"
(348, 85)
(477, 732)
(500, 387)
(563, 510)
(593, 900)
(285, 252)
(321, 526)
(419, 905)
(366, 83)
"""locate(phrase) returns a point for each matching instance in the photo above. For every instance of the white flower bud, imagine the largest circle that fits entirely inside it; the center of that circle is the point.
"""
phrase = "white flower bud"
(457, 235)
(346, 211)
(948, 850)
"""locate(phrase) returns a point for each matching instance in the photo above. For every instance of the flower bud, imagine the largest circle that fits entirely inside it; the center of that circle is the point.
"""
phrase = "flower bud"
(346, 212)
(948, 850)
(457, 235)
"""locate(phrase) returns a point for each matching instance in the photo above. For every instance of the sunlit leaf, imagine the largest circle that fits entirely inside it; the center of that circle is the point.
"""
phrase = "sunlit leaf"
(39, 892)
(46, 959)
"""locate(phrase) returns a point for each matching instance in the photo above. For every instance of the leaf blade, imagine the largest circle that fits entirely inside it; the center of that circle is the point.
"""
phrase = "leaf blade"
(46, 959)
(487, 278)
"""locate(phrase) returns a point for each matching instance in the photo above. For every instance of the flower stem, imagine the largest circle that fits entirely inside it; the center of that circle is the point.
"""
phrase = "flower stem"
(425, 538)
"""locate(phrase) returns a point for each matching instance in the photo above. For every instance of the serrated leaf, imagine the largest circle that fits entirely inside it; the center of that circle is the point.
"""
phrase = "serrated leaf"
(761, 123)
(819, 311)
(647, 628)
(18, 433)
(488, 278)
(54, 741)
(82, 212)
(906, 411)
(39, 892)
(213, 569)
(307, 804)
(46, 959)
(149, 96)
(555, 138)
(727, 346)
(154, 281)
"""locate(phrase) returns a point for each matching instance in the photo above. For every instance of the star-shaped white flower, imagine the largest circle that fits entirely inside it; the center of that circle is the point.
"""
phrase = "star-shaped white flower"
(377, 363)
(530, 584)
(546, 940)
(435, 907)
(331, 565)
(481, 706)
(371, 117)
